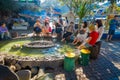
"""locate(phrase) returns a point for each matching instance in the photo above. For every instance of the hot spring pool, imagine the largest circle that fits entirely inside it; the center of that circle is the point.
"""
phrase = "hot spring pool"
(15, 47)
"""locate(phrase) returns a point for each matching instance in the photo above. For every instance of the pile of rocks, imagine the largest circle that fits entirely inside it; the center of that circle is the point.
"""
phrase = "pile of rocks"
(40, 44)
(6, 73)
(23, 62)
(30, 66)
(2, 59)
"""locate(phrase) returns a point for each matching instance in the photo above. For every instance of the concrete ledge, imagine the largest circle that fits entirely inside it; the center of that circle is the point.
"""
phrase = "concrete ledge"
(19, 28)
(115, 37)
(23, 62)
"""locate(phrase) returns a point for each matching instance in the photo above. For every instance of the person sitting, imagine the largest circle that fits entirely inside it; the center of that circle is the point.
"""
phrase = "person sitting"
(69, 31)
(46, 30)
(91, 40)
(82, 34)
(100, 29)
(4, 31)
(58, 30)
(37, 28)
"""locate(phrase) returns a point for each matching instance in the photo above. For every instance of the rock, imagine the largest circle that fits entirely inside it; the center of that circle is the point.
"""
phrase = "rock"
(18, 67)
(8, 61)
(13, 62)
(34, 70)
(48, 76)
(40, 74)
(14, 34)
(24, 74)
(60, 77)
(25, 63)
(7, 74)
(1, 60)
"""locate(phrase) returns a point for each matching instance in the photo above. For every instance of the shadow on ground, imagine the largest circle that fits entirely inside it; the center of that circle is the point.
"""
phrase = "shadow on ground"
(106, 67)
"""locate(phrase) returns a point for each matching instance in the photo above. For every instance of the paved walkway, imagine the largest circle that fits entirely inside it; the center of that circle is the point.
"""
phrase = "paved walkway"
(106, 67)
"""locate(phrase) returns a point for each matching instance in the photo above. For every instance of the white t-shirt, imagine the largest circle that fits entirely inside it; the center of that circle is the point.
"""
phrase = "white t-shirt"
(82, 37)
(100, 31)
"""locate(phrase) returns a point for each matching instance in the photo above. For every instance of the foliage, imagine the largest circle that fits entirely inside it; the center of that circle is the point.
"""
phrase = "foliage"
(8, 7)
(65, 49)
(68, 3)
(118, 9)
(80, 7)
(112, 2)
(30, 7)
(113, 8)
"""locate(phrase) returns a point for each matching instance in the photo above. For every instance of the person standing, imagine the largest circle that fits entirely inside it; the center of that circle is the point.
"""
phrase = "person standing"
(113, 25)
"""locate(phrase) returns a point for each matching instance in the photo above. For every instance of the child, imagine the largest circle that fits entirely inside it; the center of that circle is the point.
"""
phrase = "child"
(91, 40)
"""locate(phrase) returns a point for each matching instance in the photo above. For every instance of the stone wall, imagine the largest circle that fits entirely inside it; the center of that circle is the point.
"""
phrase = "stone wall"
(23, 62)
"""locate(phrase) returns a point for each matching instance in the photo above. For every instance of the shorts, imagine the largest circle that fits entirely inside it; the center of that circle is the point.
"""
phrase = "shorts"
(111, 32)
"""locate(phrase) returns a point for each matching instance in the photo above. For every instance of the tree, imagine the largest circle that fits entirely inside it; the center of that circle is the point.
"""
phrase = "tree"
(80, 7)
(111, 11)
(112, 8)
(112, 1)
(8, 7)
(68, 3)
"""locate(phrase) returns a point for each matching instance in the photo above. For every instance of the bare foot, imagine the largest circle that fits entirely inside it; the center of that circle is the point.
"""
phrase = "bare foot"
(77, 47)
(63, 40)
(75, 43)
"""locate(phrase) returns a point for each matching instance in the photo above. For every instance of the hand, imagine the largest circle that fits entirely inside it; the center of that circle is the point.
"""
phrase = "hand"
(80, 47)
